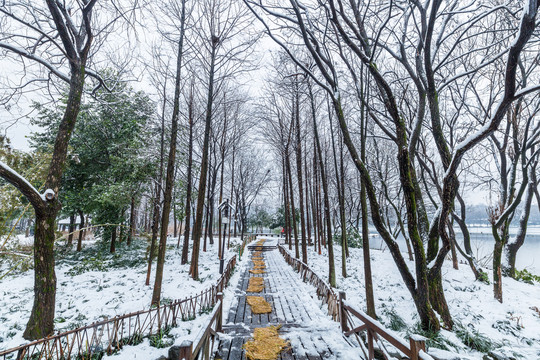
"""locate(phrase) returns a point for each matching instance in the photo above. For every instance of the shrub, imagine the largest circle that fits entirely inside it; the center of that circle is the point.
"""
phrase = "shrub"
(483, 277)
(525, 276)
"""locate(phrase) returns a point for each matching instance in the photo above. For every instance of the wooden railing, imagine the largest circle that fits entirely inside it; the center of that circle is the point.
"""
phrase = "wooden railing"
(109, 336)
(355, 322)
(205, 340)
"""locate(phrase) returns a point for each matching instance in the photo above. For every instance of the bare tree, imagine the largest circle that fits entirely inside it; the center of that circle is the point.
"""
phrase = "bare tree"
(169, 180)
(224, 35)
(344, 23)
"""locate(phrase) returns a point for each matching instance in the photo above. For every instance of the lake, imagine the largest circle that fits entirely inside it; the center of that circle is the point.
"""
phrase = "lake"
(482, 242)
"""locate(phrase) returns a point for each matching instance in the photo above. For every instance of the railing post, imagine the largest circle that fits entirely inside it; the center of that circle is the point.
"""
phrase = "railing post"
(182, 352)
(219, 320)
(371, 349)
(342, 312)
(417, 343)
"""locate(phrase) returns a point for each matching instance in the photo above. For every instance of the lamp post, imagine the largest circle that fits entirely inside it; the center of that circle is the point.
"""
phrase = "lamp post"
(224, 208)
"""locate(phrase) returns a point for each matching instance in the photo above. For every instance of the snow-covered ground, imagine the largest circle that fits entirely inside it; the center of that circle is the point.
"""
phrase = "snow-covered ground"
(512, 327)
(94, 285)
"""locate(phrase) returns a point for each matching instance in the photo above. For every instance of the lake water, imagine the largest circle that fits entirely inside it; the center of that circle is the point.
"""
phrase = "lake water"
(482, 243)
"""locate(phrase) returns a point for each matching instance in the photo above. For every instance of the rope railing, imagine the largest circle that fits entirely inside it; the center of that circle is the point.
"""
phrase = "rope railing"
(355, 322)
(109, 336)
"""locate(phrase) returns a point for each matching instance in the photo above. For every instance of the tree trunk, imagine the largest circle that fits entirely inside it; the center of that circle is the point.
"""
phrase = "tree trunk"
(452, 235)
(437, 298)
(419, 289)
(513, 246)
(314, 206)
(331, 267)
(113, 240)
(340, 193)
(169, 180)
(185, 247)
(157, 198)
(41, 321)
(317, 195)
(286, 204)
(194, 269)
(155, 228)
(368, 278)
(497, 268)
(293, 210)
(71, 229)
(299, 171)
(221, 239)
(308, 209)
(175, 224)
(211, 207)
(232, 193)
(131, 232)
(467, 254)
(81, 231)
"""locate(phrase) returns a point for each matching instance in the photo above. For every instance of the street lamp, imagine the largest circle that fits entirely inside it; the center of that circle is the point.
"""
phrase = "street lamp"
(224, 209)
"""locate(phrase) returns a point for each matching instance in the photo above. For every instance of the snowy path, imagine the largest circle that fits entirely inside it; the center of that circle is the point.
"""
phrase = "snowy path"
(312, 334)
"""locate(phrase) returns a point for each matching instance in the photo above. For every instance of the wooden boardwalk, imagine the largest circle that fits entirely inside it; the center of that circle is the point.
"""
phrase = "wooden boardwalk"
(312, 334)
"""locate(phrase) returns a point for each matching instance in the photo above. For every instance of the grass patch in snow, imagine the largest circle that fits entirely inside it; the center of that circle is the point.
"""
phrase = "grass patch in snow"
(162, 339)
(473, 338)
(394, 322)
(507, 327)
(433, 339)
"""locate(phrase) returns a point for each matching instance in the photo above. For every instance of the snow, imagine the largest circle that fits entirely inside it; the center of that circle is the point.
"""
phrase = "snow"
(513, 326)
(86, 294)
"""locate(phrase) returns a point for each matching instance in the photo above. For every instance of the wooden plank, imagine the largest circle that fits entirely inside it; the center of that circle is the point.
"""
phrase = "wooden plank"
(240, 310)
(281, 301)
(281, 317)
(224, 349)
(287, 355)
(232, 311)
(236, 352)
(244, 281)
(321, 345)
(247, 315)
(293, 308)
(273, 316)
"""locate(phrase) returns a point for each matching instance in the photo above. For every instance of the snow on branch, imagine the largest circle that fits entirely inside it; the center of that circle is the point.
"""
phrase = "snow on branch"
(17, 180)
(34, 57)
